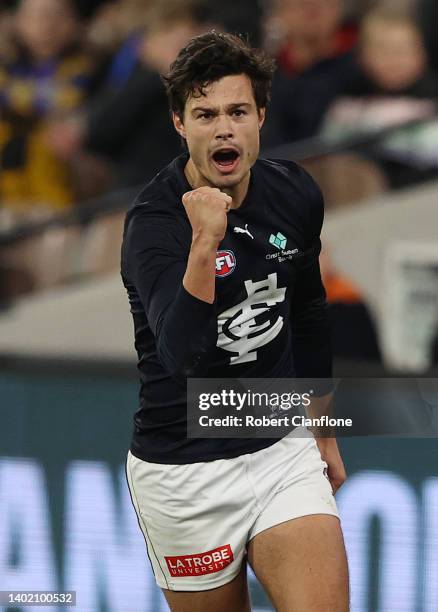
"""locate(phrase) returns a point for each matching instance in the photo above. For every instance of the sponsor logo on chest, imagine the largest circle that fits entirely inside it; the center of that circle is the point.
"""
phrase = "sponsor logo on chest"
(282, 255)
(279, 241)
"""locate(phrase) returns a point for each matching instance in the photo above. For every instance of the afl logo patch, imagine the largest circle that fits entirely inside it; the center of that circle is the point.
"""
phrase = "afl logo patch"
(225, 263)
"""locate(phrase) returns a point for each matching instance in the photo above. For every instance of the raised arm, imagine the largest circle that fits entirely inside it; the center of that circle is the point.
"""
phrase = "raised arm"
(178, 293)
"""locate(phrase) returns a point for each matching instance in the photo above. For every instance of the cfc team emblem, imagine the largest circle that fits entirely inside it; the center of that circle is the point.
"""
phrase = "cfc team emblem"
(225, 263)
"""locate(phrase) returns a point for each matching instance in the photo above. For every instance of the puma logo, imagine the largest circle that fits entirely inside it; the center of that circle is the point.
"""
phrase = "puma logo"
(240, 230)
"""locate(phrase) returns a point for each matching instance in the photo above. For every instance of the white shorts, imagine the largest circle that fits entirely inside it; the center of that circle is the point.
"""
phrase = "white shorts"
(198, 518)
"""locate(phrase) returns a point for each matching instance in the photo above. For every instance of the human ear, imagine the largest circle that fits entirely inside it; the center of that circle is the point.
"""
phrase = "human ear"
(179, 125)
(261, 113)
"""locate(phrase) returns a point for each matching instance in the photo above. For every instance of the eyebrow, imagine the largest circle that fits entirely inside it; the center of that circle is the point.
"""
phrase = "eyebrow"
(206, 109)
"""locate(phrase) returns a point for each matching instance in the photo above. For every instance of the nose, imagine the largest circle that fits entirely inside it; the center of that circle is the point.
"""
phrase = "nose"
(224, 129)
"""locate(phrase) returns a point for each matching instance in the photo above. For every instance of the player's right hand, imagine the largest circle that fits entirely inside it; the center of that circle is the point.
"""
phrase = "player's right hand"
(207, 208)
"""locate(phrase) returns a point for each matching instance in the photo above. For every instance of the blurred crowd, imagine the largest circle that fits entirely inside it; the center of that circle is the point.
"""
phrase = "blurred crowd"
(83, 110)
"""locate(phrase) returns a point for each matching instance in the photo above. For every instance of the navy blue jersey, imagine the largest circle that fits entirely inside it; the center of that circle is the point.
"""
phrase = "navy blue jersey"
(269, 318)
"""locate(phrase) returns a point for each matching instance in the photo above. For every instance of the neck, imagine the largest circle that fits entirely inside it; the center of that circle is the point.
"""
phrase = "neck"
(196, 179)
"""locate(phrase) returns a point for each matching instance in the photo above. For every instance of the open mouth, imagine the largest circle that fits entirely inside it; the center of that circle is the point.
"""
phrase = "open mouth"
(226, 159)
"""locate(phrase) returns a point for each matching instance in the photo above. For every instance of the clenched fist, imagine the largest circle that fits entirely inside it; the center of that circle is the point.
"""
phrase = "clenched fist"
(207, 208)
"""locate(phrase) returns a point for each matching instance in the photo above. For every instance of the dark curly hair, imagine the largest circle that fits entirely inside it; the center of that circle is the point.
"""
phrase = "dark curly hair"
(208, 58)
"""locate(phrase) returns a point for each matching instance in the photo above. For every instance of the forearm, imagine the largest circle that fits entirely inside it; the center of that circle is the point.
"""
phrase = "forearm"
(326, 440)
(199, 279)
(186, 335)
(320, 407)
(189, 329)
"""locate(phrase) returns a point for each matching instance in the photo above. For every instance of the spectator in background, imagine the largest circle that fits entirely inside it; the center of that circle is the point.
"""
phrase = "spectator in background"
(392, 84)
(308, 32)
(128, 123)
(47, 74)
(114, 30)
(313, 50)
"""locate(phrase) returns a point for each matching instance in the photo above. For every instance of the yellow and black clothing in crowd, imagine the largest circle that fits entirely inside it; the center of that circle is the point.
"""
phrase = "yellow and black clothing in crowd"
(31, 94)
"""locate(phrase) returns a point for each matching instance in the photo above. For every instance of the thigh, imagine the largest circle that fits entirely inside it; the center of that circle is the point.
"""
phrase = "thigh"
(302, 564)
(195, 519)
(233, 597)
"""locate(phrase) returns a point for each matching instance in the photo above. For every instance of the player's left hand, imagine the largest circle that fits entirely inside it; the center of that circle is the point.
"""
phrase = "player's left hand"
(329, 450)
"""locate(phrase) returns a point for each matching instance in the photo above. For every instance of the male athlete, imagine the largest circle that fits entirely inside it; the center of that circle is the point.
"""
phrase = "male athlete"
(210, 298)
